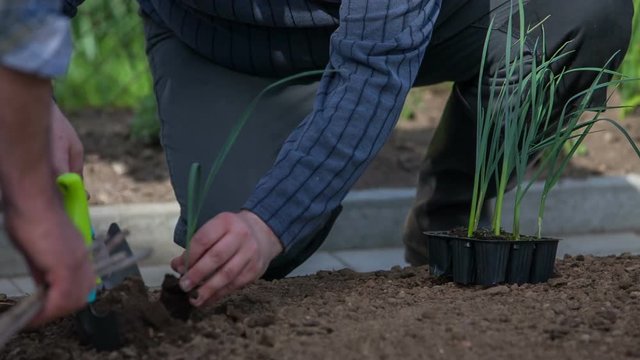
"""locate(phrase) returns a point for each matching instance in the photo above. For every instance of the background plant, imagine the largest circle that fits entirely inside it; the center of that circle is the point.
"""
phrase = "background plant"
(631, 66)
(109, 68)
(145, 126)
(413, 104)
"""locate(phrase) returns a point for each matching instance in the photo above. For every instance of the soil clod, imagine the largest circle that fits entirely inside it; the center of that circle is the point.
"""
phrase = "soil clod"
(174, 299)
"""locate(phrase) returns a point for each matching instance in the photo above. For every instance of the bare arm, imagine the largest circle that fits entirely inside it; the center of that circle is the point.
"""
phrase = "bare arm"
(33, 212)
(25, 169)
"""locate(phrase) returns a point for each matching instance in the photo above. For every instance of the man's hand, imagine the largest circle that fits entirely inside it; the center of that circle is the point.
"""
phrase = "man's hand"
(57, 257)
(228, 252)
(66, 148)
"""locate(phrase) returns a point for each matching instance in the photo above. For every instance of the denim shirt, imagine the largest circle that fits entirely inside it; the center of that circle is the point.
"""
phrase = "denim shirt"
(34, 37)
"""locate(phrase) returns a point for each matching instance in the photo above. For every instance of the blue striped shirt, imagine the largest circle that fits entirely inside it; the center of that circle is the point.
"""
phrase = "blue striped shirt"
(377, 46)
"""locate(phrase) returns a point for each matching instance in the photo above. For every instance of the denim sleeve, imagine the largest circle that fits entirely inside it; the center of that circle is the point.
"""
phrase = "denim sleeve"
(34, 37)
(377, 51)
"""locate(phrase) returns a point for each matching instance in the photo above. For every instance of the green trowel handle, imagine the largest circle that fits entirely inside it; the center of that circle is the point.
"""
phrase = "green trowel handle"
(75, 204)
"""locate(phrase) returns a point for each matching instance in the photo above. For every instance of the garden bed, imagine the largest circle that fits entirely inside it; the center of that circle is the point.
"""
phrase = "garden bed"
(119, 170)
(591, 311)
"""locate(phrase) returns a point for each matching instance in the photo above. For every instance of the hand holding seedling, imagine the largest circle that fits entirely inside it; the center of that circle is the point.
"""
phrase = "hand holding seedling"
(226, 253)
(232, 249)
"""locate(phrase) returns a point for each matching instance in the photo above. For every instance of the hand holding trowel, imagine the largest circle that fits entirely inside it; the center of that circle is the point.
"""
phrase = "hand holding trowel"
(113, 261)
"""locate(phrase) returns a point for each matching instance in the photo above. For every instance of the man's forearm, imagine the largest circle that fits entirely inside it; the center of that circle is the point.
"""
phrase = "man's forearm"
(35, 45)
(26, 176)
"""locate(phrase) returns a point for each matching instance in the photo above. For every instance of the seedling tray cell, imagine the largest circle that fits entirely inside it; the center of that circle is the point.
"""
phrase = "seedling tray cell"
(471, 261)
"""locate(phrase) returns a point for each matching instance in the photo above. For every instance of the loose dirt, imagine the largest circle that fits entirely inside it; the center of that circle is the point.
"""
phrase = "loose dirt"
(590, 311)
(120, 170)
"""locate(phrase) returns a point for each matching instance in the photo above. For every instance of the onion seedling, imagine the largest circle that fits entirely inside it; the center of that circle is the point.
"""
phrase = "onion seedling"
(522, 120)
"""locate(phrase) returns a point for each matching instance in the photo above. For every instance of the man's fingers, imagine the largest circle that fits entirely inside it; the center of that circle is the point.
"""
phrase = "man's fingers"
(67, 291)
(246, 276)
(210, 233)
(55, 306)
(67, 148)
(211, 261)
(76, 158)
(177, 264)
(60, 300)
(36, 274)
(225, 255)
(227, 274)
(60, 162)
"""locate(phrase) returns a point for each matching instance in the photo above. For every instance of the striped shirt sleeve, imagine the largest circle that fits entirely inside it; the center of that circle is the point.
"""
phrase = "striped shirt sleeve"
(375, 56)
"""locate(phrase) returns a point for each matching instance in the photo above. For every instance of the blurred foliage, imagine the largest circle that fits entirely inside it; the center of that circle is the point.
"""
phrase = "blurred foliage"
(108, 68)
(145, 126)
(413, 104)
(631, 66)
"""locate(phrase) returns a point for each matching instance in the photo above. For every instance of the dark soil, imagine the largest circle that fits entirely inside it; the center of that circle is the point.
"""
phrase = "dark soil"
(138, 316)
(120, 170)
(174, 299)
(484, 234)
(591, 311)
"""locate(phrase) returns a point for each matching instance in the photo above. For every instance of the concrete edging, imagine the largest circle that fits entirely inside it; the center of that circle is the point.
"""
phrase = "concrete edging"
(374, 218)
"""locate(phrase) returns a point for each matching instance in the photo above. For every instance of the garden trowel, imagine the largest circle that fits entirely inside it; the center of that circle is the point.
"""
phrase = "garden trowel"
(76, 206)
(114, 279)
(99, 329)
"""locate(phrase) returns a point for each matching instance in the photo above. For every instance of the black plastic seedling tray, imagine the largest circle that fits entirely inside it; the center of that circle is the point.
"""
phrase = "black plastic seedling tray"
(489, 262)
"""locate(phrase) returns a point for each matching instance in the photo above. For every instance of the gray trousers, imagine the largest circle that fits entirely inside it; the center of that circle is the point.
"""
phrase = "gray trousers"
(199, 102)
